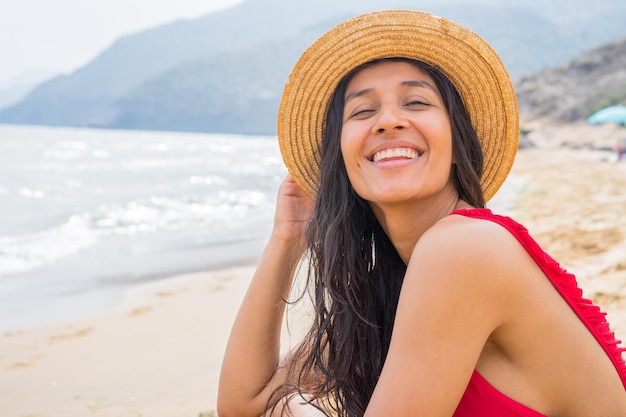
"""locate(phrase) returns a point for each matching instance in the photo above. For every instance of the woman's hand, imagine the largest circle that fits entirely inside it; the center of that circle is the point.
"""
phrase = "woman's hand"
(293, 211)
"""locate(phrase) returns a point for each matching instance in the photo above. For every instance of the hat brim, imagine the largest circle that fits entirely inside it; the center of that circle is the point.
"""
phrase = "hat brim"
(472, 66)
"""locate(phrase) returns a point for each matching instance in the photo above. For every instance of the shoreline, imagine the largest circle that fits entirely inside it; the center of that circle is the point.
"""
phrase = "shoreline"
(158, 352)
(24, 308)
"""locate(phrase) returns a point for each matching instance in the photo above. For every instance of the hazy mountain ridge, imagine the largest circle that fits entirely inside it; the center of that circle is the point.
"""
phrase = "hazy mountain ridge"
(239, 94)
(224, 72)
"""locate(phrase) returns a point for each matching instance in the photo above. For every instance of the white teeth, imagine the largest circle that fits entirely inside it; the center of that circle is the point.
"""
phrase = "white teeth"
(396, 153)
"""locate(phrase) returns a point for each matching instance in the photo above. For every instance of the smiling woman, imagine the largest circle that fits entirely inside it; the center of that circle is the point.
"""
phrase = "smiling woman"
(396, 127)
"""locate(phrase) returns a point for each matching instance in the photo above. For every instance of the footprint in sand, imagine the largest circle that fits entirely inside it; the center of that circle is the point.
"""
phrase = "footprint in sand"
(138, 311)
(66, 336)
(24, 364)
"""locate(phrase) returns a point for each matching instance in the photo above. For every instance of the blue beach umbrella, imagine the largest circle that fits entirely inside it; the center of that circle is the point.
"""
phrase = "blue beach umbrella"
(611, 114)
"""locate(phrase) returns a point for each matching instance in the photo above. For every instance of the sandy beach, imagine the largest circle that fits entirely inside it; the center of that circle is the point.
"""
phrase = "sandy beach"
(159, 353)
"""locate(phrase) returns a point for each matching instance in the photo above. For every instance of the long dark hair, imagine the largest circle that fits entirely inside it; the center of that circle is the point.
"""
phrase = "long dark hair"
(355, 271)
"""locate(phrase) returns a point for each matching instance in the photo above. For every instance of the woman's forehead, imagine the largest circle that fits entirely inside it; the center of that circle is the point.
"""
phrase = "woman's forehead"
(383, 74)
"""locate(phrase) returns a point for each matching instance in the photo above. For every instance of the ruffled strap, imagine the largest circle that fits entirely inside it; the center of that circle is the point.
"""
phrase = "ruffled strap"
(590, 314)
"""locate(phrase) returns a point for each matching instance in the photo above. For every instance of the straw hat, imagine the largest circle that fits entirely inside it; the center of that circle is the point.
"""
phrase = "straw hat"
(466, 59)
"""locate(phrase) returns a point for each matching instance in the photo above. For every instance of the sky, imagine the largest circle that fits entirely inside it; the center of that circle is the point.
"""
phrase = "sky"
(60, 36)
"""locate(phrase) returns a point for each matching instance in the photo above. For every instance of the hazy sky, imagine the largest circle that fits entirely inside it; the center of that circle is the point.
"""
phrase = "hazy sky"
(63, 35)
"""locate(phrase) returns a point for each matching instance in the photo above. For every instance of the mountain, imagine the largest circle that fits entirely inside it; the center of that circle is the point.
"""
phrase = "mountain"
(224, 72)
(15, 89)
(78, 98)
(571, 92)
(232, 93)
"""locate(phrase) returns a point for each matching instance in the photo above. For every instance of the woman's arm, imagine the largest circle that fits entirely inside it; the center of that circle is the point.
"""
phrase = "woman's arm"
(453, 297)
(251, 368)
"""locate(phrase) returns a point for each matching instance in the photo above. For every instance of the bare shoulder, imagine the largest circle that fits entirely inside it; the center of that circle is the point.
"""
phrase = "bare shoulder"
(471, 256)
(470, 240)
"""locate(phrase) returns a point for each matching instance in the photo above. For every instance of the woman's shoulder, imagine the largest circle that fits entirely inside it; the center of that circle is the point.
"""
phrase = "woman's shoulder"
(485, 246)
(463, 261)
(472, 230)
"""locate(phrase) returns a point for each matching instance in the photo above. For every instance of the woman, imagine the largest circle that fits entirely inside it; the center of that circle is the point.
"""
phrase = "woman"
(396, 127)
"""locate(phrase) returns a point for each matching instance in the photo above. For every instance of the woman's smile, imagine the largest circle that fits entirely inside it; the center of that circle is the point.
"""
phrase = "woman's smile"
(393, 154)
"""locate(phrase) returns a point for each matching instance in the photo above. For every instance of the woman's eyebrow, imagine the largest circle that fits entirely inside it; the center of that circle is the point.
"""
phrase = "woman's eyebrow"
(419, 83)
(408, 83)
(356, 94)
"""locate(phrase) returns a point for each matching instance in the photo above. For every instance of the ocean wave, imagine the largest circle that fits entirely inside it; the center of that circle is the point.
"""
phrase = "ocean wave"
(227, 212)
(24, 252)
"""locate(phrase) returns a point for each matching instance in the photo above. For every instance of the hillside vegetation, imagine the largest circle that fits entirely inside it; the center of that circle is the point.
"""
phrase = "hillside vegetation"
(574, 91)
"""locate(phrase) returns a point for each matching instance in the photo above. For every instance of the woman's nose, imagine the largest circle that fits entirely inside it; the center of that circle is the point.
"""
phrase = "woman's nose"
(390, 118)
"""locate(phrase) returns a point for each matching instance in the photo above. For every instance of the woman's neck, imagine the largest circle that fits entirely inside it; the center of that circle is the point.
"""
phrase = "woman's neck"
(406, 223)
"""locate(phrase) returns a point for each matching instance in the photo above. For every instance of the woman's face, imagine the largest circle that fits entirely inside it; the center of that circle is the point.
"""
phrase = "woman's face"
(396, 138)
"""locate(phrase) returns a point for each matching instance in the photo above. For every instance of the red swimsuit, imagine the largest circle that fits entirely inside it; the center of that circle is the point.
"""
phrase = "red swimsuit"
(481, 399)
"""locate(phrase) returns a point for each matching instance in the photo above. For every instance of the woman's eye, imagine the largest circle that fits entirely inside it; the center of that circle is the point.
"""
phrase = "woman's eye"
(362, 113)
(416, 103)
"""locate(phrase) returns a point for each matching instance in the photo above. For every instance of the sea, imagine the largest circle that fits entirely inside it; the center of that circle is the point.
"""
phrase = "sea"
(85, 214)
